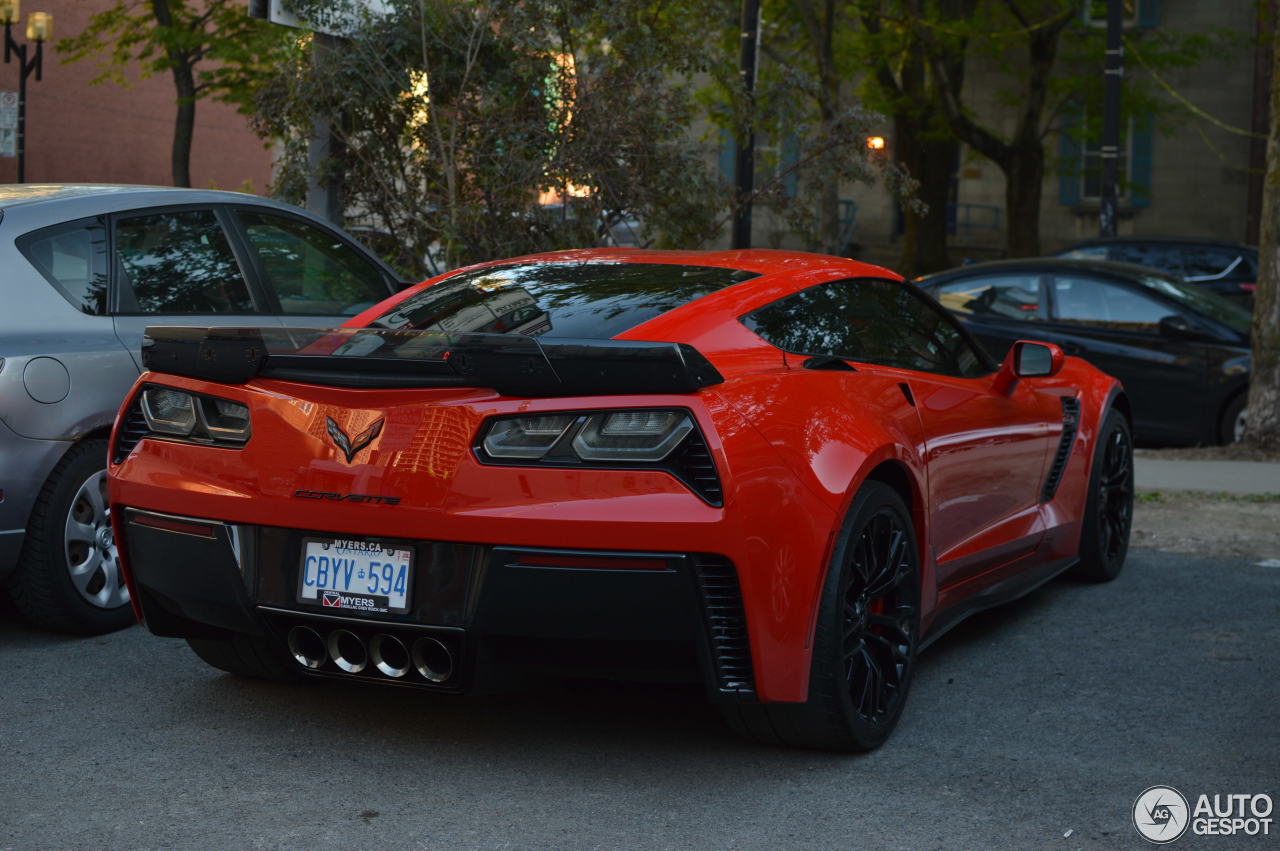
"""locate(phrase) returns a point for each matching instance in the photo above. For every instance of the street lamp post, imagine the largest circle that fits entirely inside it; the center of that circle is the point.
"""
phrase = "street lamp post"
(39, 30)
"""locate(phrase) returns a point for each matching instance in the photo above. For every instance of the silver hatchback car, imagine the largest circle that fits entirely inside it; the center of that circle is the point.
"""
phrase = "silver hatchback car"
(83, 270)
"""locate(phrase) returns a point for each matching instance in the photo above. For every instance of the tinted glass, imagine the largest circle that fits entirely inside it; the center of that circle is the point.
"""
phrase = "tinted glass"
(1082, 300)
(178, 263)
(72, 257)
(1155, 255)
(1202, 301)
(312, 272)
(591, 300)
(867, 320)
(996, 297)
(1205, 263)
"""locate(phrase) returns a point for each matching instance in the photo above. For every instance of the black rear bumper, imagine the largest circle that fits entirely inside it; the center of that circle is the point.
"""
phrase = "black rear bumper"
(652, 615)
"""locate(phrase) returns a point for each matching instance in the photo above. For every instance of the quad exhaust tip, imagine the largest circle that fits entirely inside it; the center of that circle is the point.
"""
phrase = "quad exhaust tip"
(307, 647)
(389, 655)
(386, 653)
(348, 651)
(432, 659)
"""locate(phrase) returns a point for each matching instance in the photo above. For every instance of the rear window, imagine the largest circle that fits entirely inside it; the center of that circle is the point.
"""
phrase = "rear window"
(590, 300)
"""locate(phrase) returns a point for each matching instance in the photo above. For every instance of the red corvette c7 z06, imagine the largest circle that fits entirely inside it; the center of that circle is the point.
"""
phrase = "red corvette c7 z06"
(777, 473)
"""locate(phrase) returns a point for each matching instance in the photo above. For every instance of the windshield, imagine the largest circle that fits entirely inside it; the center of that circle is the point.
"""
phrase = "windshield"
(1202, 301)
(595, 300)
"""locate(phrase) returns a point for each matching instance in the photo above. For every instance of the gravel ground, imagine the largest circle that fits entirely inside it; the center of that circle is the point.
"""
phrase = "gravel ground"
(1208, 525)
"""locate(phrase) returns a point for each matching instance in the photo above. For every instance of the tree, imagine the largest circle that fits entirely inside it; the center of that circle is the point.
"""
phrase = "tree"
(901, 84)
(1263, 425)
(211, 47)
(811, 130)
(1051, 61)
(492, 128)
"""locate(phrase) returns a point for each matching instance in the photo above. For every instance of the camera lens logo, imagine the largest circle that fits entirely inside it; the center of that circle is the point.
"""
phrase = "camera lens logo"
(1161, 814)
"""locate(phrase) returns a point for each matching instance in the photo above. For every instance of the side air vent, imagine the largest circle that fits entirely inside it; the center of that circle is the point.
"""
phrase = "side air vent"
(130, 432)
(726, 624)
(1070, 423)
(692, 463)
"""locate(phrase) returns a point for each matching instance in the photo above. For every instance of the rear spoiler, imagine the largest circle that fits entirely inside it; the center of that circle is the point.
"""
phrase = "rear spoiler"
(511, 364)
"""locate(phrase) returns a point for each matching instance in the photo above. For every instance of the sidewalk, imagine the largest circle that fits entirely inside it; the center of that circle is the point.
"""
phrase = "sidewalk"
(1235, 477)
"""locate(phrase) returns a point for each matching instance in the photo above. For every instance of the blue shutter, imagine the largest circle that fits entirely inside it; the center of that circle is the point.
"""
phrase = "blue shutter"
(790, 156)
(1140, 164)
(1148, 13)
(728, 148)
(1071, 160)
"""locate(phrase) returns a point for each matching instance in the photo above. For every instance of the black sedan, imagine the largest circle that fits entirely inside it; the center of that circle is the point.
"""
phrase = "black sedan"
(1182, 352)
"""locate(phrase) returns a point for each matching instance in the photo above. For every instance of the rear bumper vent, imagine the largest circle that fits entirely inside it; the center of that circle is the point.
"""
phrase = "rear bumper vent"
(693, 464)
(131, 430)
(726, 624)
(1070, 424)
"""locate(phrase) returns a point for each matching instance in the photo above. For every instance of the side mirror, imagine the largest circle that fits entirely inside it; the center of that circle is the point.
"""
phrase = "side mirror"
(1177, 328)
(1027, 359)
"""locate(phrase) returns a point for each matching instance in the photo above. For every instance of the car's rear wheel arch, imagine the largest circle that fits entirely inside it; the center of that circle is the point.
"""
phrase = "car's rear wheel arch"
(895, 474)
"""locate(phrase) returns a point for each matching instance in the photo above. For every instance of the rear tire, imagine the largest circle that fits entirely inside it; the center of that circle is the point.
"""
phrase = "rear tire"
(247, 656)
(865, 643)
(1108, 513)
(68, 577)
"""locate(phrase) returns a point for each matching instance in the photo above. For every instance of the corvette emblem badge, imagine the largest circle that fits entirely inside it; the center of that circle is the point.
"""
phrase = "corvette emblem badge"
(348, 446)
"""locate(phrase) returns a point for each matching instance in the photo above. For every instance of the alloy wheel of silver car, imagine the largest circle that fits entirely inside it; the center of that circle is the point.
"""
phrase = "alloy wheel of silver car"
(90, 547)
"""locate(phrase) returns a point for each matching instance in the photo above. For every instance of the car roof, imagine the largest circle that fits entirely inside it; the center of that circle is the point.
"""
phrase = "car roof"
(46, 202)
(1045, 264)
(762, 261)
(1162, 240)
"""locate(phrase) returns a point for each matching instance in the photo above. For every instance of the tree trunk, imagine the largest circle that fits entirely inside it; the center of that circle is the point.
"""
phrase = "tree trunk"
(184, 80)
(1263, 425)
(931, 162)
(183, 127)
(1023, 180)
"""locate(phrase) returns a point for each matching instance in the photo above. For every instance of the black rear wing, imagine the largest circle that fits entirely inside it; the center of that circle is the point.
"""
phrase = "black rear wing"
(511, 364)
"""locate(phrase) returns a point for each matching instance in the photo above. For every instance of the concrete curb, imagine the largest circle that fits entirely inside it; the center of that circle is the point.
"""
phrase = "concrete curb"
(1234, 477)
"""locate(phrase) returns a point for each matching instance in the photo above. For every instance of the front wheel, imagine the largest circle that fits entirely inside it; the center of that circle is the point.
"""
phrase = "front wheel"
(865, 644)
(1108, 513)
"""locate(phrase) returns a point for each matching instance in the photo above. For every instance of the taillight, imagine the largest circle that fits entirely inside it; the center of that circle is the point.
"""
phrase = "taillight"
(666, 439)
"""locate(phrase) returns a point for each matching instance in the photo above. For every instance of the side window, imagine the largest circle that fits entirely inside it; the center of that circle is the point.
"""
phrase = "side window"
(1207, 263)
(997, 297)
(868, 320)
(178, 262)
(1151, 255)
(1089, 301)
(73, 258)
(311, 271)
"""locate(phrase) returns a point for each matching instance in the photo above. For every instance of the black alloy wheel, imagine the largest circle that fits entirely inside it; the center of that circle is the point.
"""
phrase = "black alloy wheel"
(865, 644)
(880, 608)
(1108, 516)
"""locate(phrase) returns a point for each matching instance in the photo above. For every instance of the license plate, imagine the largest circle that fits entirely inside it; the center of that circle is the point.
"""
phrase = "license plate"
(355, 576)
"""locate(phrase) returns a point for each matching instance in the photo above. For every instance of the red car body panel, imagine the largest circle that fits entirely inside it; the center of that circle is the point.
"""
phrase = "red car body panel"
(792, 447)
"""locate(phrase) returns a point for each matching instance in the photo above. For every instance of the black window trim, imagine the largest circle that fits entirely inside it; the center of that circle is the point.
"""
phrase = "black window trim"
(984, 357)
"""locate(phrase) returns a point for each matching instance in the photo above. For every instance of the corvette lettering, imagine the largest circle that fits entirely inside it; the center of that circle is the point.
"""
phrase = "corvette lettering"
(368, 498)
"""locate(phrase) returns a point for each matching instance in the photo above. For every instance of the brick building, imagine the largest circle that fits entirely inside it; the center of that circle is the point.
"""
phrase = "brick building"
(108, 134)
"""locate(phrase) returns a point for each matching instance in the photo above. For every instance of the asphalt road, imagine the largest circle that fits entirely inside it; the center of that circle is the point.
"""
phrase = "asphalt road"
(1047, 716)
